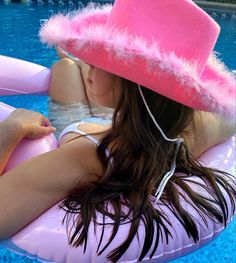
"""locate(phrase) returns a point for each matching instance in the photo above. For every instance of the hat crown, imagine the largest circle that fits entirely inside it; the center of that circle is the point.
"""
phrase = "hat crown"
(171, 33)
(178, 26)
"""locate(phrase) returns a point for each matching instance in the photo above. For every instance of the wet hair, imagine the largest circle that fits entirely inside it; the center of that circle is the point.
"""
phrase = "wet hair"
(138, 159)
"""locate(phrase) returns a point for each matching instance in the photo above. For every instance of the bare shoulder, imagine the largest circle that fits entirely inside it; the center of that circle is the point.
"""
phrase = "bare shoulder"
(206, 130)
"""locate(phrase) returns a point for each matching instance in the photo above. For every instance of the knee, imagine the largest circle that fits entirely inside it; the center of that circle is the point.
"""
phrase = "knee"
(64, 63)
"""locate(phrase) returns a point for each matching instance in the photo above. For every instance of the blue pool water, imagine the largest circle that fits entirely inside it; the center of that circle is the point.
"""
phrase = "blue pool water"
(19, 25)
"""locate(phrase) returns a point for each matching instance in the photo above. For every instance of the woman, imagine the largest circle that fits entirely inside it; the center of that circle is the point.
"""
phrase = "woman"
(131, 164)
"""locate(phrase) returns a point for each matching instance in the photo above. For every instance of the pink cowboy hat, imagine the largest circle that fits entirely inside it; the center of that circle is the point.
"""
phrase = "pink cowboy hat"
(163, 45)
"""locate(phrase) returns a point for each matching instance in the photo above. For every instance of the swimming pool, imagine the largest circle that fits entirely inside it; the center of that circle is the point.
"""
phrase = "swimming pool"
(19, 24)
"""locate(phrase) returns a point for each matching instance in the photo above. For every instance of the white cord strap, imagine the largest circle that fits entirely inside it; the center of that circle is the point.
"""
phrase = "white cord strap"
(177, 141)
(169, 174)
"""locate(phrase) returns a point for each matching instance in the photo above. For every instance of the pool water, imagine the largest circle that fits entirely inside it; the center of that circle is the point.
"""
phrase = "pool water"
(19, 26)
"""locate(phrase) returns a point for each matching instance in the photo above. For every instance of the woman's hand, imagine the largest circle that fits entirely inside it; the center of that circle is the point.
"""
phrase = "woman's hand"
(20, 124)
(29, 124)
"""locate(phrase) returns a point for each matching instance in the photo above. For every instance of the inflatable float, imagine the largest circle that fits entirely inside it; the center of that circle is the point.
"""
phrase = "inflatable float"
(45, 238)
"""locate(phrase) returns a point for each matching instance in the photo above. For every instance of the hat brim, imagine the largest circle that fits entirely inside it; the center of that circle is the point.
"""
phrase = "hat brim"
(87, 36)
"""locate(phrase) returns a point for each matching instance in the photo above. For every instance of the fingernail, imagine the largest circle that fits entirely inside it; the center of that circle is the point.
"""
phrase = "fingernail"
(45, 124)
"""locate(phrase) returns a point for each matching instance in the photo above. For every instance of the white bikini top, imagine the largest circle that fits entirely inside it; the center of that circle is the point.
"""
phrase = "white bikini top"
(74, 128)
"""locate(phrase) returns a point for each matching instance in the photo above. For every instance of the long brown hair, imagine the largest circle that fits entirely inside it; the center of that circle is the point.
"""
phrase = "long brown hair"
(138, 159)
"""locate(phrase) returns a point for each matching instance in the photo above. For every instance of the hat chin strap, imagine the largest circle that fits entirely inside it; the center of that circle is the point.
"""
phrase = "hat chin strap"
(177, 141)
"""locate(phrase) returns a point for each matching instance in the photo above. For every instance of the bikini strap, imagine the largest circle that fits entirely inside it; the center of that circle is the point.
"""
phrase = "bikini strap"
(74, 128)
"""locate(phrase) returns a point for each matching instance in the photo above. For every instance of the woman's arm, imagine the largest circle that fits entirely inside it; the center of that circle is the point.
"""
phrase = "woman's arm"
(34, 186)
(9, 139)
(207, 130)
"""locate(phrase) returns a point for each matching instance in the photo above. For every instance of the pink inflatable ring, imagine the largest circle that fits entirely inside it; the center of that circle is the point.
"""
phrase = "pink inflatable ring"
(45, 238)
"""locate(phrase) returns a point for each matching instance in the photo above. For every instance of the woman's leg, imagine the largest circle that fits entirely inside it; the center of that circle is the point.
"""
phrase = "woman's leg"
(69, 101)
(67, 84)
